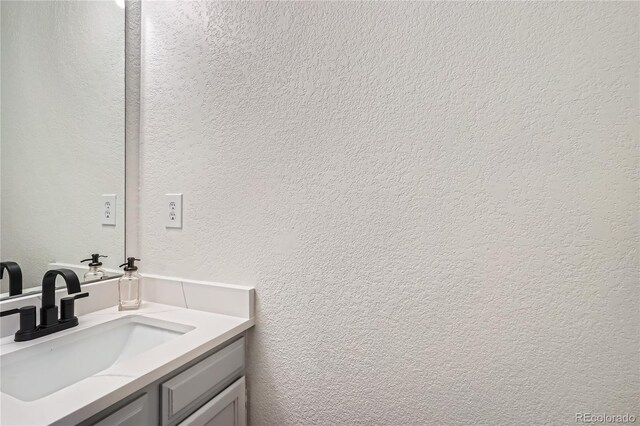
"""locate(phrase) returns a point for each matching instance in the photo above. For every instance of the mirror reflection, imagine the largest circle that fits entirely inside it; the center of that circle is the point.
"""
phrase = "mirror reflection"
(61, 139)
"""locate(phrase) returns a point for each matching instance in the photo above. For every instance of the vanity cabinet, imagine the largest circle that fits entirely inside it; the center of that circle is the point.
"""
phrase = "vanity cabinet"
(209, 390)
(226, 409)
(134, 413)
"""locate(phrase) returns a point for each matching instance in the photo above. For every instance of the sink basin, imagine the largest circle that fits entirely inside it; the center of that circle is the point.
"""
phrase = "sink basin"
(44, 368)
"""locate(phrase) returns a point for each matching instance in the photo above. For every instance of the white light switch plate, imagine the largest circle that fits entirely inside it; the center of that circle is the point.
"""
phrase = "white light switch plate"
(173, 206)
(108, 209)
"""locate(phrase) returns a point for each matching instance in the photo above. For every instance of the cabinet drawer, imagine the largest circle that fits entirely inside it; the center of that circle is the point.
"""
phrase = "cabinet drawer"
(194, 386)
(133, 414)
(226, 409)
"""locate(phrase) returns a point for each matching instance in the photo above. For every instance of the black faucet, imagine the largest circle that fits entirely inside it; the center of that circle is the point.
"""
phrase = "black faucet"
(49, 310)
(15, 277)
(49, 321)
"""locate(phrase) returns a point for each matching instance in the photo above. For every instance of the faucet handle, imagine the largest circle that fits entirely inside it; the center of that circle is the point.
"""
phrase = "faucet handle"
(67, 306)
(10, 312)
(27, 317)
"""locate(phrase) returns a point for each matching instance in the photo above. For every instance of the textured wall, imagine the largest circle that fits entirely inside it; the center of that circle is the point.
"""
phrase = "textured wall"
(437, 203)
(62, 132)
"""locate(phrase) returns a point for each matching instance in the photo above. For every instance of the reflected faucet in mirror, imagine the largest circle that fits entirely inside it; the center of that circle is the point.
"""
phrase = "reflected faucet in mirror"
(15, 277)
(49, 320)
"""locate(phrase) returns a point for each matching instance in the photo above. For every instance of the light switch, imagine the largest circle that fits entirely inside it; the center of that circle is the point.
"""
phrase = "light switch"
(173, 210)
(108, 209)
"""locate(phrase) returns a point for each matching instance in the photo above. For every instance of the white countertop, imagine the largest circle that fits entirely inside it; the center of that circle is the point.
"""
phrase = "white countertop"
(87, 397)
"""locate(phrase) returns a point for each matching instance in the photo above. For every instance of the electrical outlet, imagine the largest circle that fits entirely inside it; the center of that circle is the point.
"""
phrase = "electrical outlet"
(108, 209)
(173, 206)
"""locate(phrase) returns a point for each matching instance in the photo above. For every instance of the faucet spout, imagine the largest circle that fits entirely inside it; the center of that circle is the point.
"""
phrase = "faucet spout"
(15, 277)
(49, 285)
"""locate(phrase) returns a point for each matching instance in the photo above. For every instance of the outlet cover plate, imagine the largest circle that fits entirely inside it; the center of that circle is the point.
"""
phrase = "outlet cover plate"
(108, 209)
(173, 210)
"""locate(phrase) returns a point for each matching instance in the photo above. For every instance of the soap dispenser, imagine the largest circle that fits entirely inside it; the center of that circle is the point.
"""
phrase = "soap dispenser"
(129, 286)
(94, 272)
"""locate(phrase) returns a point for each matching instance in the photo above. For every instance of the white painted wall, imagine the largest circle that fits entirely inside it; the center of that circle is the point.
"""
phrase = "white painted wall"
(437, 203)
(62, 132)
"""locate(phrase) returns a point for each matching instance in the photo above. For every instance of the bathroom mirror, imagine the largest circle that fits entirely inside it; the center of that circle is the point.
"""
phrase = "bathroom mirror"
(62, 135)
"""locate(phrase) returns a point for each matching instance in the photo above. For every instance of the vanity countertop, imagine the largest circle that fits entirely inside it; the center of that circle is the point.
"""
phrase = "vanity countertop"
(89, 396)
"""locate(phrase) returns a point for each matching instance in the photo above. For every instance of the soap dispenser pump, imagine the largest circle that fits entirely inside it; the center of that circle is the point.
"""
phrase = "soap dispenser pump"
(94, 272)
(129, 286)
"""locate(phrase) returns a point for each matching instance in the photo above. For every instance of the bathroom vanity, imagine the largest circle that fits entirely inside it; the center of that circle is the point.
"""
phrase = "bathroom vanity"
(165, 364)
(209, 390)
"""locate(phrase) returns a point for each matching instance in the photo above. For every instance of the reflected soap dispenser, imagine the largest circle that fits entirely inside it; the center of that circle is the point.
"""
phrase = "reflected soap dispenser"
(94, 272)
(129, 286)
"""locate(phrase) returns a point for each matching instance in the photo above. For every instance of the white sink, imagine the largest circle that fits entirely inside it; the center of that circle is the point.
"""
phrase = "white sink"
(44, 368)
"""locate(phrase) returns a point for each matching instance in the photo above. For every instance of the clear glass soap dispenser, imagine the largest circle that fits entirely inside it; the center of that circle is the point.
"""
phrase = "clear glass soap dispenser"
(94, 272)
(129, 286)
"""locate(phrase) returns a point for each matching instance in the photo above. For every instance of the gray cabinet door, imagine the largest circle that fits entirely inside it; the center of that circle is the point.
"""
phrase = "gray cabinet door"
(188, 390)
(226, 409)
(135, 413)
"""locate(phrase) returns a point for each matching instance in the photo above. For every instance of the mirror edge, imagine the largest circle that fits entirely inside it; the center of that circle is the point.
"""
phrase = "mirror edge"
(132, 75)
